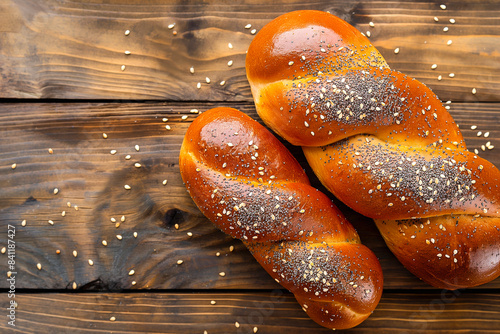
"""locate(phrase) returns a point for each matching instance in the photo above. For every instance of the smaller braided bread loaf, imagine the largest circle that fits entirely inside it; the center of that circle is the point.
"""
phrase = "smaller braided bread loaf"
(249, 185)
(382, 143)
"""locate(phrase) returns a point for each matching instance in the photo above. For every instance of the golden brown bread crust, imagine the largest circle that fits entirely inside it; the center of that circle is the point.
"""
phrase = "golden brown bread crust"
(249, 185)
(449, 245)
(380, 141)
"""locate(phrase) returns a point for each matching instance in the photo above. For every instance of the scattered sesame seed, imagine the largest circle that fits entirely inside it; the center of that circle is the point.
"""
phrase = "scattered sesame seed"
(104, 243)
(168, 127)
(74, 285)
(112, 319)
(445, 29)
(290, 63)
(3, 250)
(434, 66)
(164, 182)
(51, 222)
(138, 165)
(213, 302)
(229, 45)
(436, 18)
(222, 274)
(368, 33)
(443, 7)
(135, 234)
(131, 272)
(449, 42)
(39, 266)
(189, 234)
(127, 32)
(119, 237)
(122, 219)
(207, 79)
(127, 52)
(51, 151)
(371, 24)
(63, 213)
(134, 283)
(440, 77)
(486, 134)
(451, 75)
(191, 70)
(112, 152)
(253, 31)
(23, 223)
(474, 91)
(473, 127)
(137, 148)
(248, 26)
(194, 111)
(452, 21)
(184, 117)
(91, 263)
(127, 157)
(479, 133)
(396, 50)
(231, 248)
(171, 26)
(179, 261)
(14, 165)
(222, 83)
(58, 251)
(56, 191)
(127, 187)
(237, 324)
(75, 253)
(198, 85)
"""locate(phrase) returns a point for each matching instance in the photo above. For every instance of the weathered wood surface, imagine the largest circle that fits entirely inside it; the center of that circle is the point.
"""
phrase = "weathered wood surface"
(87, 175)
(67, 49)
(271, 312)
(73, 52)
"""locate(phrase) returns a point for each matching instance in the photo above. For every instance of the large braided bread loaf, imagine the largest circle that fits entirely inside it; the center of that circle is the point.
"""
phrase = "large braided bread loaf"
(382, 143)
(249, 185)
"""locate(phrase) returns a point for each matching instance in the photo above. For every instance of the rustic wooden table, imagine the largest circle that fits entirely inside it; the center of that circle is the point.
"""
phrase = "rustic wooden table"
(96, 98)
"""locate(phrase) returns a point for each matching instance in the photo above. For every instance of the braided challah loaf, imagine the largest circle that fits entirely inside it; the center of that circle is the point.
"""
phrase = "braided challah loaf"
(247, 183)
(382, 143)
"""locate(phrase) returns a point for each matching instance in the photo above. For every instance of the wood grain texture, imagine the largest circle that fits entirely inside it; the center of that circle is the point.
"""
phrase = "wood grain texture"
(87, 175)
(67, 50)
(271, 312)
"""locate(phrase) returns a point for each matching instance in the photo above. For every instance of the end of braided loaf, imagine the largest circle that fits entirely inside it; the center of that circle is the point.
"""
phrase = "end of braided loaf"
(248, 184)
(382, 143)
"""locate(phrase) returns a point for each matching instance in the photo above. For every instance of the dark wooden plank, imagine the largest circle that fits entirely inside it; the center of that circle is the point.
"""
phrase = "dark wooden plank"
(268, 311)
(88, 176)
(67, 49)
